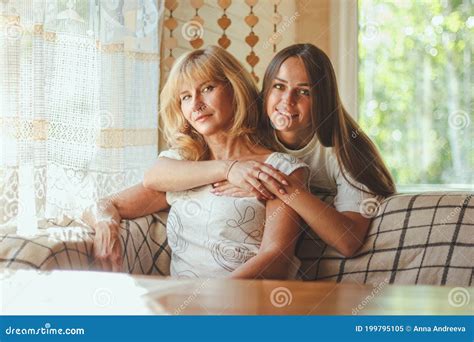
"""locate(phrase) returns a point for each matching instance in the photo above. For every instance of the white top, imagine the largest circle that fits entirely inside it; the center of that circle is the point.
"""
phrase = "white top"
(209, 235)
(326, 177)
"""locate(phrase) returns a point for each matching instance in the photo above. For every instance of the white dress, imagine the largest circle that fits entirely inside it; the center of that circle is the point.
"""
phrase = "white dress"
(211, 236)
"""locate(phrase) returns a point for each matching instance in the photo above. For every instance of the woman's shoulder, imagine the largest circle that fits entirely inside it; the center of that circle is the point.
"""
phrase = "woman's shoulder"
(323, 158)
(172, 153)
(285, 162)
(282, 156)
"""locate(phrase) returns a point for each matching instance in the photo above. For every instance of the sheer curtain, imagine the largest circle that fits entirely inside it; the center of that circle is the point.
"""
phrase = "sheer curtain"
(79, 83)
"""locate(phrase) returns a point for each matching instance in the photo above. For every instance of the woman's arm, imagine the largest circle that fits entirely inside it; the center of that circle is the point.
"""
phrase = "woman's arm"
(276, 253)
(345, 231)
(177, 175)
(105, 216)
(136, 201)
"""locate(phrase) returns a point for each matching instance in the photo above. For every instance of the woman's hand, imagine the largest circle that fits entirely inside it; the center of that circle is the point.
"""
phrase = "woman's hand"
(227, 189)
(245, 179)
(290, 191)
(105, 219)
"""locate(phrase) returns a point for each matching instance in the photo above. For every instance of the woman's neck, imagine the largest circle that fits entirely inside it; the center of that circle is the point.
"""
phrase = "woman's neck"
(223, 147)
(295, 140)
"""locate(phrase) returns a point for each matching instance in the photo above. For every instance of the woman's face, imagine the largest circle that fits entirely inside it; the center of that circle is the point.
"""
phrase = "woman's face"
(207, 106)
(289, 99)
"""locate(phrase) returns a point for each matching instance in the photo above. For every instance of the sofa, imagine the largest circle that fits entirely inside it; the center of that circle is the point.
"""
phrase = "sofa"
(425, 238)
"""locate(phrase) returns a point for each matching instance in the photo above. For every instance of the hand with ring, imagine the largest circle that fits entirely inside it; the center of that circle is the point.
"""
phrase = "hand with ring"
(247, 178)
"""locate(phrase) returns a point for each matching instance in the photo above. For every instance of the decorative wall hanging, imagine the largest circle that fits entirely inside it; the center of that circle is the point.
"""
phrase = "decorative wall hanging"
(170, 42)
(252, 39)
(276, 20)
(193, 30)
(190, 16)
(224, 22)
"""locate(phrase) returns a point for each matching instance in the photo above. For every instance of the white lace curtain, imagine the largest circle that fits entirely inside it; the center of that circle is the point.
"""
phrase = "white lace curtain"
(79, 83)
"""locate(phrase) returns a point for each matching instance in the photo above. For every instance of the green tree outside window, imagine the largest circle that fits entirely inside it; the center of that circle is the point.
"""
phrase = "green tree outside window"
(416, 87)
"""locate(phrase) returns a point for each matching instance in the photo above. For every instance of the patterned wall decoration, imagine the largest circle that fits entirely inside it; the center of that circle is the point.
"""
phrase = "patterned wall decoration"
(194, 28)
(251, 30)
(276, 20)
(170, 42)
(252, 39)
(224, 22)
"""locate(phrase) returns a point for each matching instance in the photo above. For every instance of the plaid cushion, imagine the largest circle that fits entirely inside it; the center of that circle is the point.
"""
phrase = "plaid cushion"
(68, 246)
(145, 245)
(65, 247)
(414, 239)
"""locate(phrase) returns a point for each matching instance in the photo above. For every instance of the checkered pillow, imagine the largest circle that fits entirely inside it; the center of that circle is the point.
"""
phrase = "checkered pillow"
(145, 246)
(414, 239)
(68, 246)
(64, 247)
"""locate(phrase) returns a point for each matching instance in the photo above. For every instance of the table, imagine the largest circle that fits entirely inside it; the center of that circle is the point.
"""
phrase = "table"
(102, 293)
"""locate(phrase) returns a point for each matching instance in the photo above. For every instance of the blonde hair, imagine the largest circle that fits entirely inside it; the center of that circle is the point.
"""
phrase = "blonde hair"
(210, 64)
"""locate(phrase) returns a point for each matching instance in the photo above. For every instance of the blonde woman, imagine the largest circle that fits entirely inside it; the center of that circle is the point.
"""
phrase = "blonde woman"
(210, 113)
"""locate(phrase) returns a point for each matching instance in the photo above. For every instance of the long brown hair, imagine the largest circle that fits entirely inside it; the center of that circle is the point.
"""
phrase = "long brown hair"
(356, 153)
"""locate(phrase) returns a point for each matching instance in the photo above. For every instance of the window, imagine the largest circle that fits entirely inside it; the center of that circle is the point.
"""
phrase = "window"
(415, 88)
(79, 85)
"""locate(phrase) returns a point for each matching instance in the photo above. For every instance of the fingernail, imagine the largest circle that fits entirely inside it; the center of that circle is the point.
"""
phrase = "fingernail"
(285, 182)
(282, 191)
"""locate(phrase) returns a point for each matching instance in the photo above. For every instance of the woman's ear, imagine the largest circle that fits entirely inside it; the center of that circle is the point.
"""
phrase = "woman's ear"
(185, 128)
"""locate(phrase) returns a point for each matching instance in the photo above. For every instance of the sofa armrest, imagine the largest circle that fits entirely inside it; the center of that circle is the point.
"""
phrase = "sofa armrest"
(145, 246)
(52, 247)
